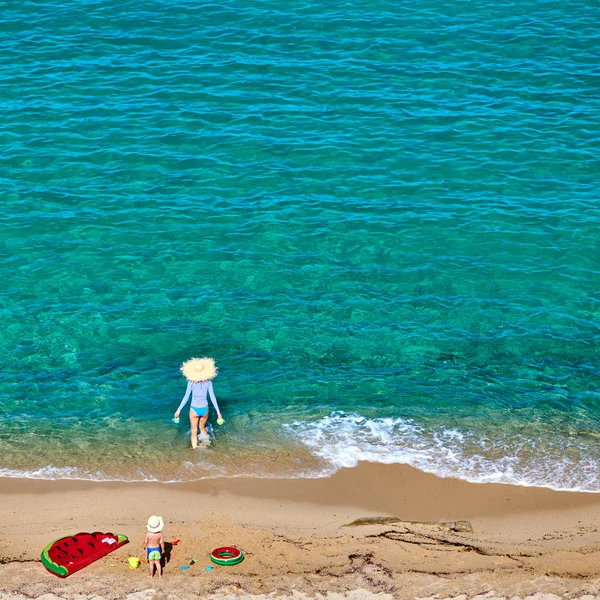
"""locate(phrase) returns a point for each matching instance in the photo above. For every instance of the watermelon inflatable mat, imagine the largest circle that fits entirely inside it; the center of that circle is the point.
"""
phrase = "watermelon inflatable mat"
(69, 554)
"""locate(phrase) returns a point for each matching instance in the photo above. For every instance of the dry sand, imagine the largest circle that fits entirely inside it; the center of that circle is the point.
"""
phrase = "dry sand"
(299, 543)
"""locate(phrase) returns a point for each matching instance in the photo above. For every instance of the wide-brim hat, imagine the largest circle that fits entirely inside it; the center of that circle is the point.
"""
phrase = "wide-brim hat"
(199, 369)
(155, 524)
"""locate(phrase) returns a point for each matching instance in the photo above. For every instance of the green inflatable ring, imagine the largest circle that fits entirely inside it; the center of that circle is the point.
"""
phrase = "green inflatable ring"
(227, 556)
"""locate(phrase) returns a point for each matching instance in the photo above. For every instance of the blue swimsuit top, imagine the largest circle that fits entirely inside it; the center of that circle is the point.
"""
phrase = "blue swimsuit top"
(198, 390)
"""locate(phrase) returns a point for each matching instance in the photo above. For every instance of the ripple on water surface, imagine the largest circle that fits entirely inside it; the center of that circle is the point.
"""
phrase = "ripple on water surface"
(381, 220)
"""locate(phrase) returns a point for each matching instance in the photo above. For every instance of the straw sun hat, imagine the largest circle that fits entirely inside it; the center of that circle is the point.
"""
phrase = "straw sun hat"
(199, 369)
(155, 524)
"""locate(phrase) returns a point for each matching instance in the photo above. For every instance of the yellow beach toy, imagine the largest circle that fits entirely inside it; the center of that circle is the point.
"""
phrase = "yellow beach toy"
(134, 562)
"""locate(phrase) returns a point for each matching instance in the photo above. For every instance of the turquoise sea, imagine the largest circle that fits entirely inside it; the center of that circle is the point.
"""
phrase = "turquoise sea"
(382, 219)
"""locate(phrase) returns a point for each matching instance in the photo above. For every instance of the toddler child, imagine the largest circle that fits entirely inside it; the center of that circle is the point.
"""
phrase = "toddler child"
(154, 544)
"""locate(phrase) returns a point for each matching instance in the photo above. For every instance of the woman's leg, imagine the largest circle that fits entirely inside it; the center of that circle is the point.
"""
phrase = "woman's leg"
(203, 421)
(194, 418)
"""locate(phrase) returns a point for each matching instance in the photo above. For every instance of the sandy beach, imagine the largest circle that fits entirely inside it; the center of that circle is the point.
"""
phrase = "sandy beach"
(384, 531)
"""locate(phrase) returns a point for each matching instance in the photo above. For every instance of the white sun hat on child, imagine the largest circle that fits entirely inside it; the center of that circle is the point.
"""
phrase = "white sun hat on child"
(155, 524)
(199, 369)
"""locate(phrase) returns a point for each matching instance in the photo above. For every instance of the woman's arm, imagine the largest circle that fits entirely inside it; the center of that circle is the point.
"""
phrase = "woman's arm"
(213, 399)
(188, 391)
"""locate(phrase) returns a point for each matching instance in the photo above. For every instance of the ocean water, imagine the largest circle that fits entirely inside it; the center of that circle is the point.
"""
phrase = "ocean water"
(381, 219)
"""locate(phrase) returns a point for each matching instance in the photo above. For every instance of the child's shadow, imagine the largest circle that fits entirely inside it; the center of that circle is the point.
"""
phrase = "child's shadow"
(166, 555)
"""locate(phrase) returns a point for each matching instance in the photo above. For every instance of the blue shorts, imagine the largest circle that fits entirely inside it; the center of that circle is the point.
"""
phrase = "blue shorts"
(153, 553)
(200, 410)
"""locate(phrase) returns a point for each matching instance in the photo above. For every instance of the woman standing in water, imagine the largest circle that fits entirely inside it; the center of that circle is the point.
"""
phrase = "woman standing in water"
(199, 373)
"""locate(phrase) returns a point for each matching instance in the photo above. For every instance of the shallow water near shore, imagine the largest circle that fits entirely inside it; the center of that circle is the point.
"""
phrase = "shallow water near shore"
(381, 221)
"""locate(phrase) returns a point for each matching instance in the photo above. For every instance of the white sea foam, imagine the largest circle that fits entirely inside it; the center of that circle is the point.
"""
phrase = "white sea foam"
(51, 473)
(188, 473)
(344, 440)
(498, 455)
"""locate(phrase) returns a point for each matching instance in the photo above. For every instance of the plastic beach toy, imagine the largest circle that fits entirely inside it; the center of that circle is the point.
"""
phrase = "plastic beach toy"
(227, 556)
(186, 567)
(67, 555)
(220, 421)
(175, 419)
(134, 562)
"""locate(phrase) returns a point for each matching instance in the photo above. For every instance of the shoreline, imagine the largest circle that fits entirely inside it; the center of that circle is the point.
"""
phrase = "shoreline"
(421, 500)
(296, 534)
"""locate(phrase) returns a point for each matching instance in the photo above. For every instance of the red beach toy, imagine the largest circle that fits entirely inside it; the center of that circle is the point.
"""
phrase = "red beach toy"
(67, 555)
(227, 556)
